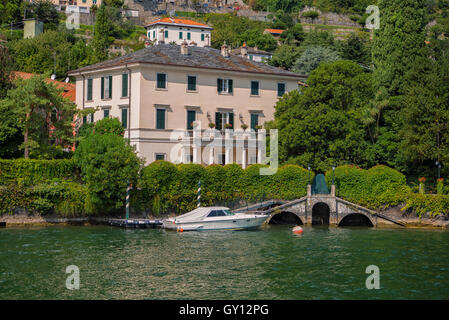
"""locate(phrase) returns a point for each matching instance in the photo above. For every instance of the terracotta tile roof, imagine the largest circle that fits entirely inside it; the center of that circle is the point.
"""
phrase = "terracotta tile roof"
(69, 88)
(275, 31)
(176, 21)
(198, 57)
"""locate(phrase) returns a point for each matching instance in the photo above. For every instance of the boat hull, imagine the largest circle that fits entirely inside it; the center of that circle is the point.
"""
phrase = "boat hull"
(237, 223)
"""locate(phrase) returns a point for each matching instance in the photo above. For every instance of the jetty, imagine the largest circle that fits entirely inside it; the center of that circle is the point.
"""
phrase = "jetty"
(135, 223)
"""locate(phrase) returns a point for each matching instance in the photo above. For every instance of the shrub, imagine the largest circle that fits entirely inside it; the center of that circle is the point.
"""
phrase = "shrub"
(28, 172)
(427, 204)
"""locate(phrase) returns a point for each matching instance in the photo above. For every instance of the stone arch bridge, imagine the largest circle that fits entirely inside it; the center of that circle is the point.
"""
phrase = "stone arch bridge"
(318, 209)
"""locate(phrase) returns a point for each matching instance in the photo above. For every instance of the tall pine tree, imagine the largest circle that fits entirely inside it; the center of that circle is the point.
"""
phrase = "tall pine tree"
(396, 45)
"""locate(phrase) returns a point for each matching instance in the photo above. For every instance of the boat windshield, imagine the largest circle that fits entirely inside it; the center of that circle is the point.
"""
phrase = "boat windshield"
(228, 213)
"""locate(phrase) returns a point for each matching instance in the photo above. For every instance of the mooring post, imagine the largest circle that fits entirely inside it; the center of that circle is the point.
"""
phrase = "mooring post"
(128, 190)
(199, 195)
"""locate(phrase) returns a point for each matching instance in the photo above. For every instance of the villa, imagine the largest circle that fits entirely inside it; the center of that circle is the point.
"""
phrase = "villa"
(162, 92)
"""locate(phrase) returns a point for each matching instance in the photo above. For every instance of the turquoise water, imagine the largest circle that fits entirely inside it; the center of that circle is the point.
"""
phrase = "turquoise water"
(272, 263)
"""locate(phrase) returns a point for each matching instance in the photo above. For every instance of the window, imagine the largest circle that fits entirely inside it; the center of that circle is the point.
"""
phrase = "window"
(252, 159)
(281, 89)
(254, 88)
(202, 37)
(89, 89)
(124, 85)
(251, 57)
(106, 87)
(221, 158)
(125, 118)
(162, 81)
(154, 35)
(191, 83)
(105, 113)
(224, 85)
(166, 33)
(216, 213)
(191, 117)
(160, 156)
(222, 118)
(254, 121)
(180, 35)
(160, 118)
(188, 35)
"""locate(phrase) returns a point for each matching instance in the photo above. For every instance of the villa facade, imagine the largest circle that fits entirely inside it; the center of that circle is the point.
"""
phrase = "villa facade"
(165, 94)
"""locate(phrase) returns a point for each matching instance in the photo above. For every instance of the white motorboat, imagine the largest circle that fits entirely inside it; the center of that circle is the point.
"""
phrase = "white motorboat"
(214, 218)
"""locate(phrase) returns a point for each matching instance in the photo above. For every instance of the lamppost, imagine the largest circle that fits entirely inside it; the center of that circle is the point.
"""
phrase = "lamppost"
(333, 173)
(439, 167)
(308, 168)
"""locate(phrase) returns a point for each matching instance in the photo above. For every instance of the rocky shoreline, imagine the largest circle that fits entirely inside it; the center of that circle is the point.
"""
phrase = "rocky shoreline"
(28, 220)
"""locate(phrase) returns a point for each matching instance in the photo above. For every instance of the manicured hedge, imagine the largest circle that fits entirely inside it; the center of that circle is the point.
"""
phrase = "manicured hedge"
(374, 188)
(31, 172)
(66, 199)
(166, 187)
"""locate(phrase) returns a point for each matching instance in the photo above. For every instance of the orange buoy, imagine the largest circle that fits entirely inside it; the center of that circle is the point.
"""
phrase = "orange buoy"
(181, 230)
(297, 230)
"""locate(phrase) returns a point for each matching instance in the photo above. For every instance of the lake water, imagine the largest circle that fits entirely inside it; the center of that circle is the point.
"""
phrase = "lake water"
(271, 263)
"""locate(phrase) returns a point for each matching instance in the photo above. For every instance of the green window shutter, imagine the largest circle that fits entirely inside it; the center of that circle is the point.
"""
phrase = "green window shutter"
(84, 119)
(180, 35)
(160, 118)
(161, 81)
(230, 85)
(231, 119)
(191, 83)
(125, 117)
(110, 87)
(160, 156)
(218, 116)
(254, 121)
(281, 89)
(191, 117)
(89, 89)
(154, 34)
(202, 37)
(166, 33)
(188, 35)
(102, 87)
(254, 88)
(106, 113)
(124, 85)
(219, 85)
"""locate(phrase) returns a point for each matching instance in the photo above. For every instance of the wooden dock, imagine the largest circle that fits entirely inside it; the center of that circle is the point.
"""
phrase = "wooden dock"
(135, 223)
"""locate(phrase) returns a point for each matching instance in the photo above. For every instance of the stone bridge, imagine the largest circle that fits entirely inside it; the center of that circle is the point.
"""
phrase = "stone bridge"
(319, 209)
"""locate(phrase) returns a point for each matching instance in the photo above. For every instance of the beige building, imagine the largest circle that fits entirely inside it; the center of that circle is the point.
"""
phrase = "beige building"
(186, 104)
(175, 30)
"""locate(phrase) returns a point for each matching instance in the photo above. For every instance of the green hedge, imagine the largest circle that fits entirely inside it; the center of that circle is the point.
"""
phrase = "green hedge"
(378, 187)
(431, 204)
(32, 172)
(64, 198)
(165, 187)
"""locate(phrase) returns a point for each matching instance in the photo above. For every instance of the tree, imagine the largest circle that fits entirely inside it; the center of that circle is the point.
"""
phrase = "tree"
(425, 134)
(396, 44)
(101, 41)
(255, 38)
(322, 126)
(45, 11)
(356, 49)
(37, 110)
(107, 164)
(11, 11)
(312, 57)
(5, 71)
(284, 56)
(294, 35)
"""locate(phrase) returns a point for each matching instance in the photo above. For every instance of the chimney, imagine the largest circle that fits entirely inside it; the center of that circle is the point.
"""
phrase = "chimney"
(224, 50)
(184, 48)
(244, 50)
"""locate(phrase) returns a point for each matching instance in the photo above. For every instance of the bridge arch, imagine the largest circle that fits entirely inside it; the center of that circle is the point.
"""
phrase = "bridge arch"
(285, 217)
(320, 214)
(355, 219)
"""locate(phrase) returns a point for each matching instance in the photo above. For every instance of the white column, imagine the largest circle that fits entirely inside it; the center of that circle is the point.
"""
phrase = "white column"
(211, 155)
(244, 158)
(228, 146)
(261, 146)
